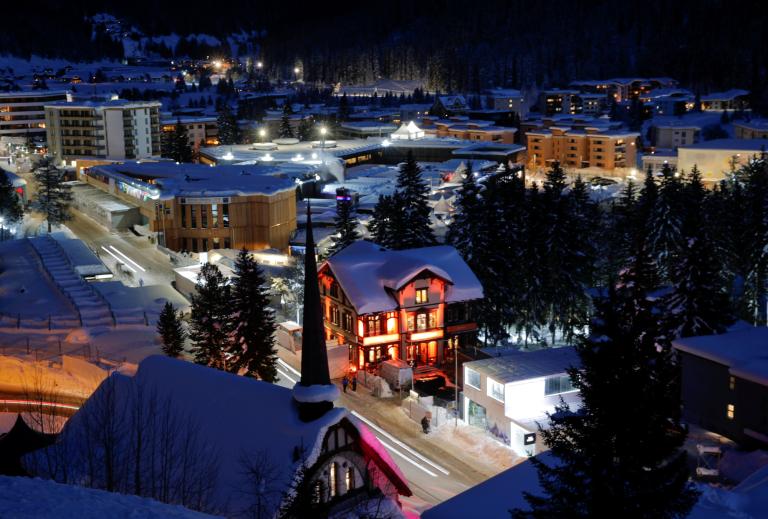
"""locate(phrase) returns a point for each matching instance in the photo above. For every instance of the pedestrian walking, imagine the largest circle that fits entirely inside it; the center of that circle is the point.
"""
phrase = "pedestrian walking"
(425, 424)
(344, 383)
(354, 382)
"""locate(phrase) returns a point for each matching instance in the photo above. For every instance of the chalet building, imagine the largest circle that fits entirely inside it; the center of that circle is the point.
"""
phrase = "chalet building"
(734, 99)
(725, 383)
(410, 304)
(753, 129)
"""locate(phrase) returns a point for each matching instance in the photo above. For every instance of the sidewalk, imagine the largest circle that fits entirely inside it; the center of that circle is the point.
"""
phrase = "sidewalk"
(467, 452)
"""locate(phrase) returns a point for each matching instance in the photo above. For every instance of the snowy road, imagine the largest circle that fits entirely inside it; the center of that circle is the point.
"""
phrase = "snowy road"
(430, 481)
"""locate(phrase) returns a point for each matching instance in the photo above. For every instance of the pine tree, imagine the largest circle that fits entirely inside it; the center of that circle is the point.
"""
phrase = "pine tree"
(343, 113)
(464, 227)
(53, 195)
(171, 331)
(413, 194)
(286, 130)
(698, 303)
(210, 318)
(11, 209)
(387, 222)
(252, 347)
(346, 222)
(305, 129)
(665, 223)
(176, 144)
(229, 132)
(621, 454)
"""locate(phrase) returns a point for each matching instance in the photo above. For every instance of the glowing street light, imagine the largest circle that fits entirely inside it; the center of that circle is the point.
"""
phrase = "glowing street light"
(262, 134)
(259, 64)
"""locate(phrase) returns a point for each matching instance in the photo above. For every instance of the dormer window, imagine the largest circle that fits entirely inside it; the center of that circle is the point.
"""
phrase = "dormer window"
(422, 296)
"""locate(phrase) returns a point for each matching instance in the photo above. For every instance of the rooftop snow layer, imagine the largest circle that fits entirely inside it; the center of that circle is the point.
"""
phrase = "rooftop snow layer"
(745, 352)
(34, 498)
(730, 144)
(367, 273)
(526, 365)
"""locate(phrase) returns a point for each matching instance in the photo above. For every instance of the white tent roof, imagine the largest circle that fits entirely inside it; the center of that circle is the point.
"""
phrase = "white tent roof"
(408, 131)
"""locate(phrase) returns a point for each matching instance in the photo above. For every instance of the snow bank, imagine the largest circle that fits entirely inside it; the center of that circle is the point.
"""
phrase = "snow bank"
(316, 393)
(33, 498)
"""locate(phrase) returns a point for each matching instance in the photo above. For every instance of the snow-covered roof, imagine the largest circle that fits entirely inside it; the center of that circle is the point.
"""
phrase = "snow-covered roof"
(754, 124)
(368, 273)
(728, 95)
(34, 498)
(494, 497)
(408, 131)
(234, 416)
(730, 144)
(525, 365)
(744, 352)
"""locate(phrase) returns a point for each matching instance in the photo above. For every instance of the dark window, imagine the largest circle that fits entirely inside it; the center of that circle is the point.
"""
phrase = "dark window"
(183, 216)
(205, 245)
(193, 216)
(334, 289)
(227, 243)
(334, 314)
(203, 217)
(216, 243)
(225, 215)
(346, 321)
(194, 244)
(183, 244)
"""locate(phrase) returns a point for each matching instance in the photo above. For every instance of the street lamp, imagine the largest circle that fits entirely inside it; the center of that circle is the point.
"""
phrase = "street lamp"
(262, 134)
(296, 73)
(323, 131)
(259, 64)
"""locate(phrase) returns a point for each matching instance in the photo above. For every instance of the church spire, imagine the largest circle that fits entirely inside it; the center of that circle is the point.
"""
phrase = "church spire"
(314, 392)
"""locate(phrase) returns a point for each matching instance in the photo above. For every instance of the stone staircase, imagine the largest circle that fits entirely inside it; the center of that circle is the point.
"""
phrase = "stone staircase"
(93, 310)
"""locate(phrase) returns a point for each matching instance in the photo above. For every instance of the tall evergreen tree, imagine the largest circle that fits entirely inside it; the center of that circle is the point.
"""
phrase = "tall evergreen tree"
(252, 347)
(387, 224)
(413, 194)
(621, 453)
(666, 220)
(176, 144)
(305, 129)
(171, 331)
(210, 318)
(229, 132)
(11, 210)
(343, 112)
(286, 130)
(698, 303)
(463, 230)
(53, 195)
(346, 222)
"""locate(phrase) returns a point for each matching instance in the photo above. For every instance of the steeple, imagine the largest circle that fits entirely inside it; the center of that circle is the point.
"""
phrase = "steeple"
(313, 393)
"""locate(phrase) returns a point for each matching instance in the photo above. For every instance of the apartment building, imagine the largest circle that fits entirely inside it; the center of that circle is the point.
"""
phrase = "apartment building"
(201, 131)
(472, 130)
(197, 208)
(22, 114)
(508, 100)
(715, 159)
(97, 131)
(734, 99)
(671, 133)
(408, 304)
(554, 102)
(592, 147)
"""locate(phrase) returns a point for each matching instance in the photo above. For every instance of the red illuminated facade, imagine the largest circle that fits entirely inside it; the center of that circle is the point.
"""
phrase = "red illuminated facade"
(409, 316)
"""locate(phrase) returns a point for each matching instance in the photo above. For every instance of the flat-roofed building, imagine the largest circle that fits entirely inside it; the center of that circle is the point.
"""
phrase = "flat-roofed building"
(22, 114)
(734, 99)
(754, 129)
(201, 131)
(198, 208)
(553, 102)
(111, 130)
(672, 132)
(591, 147)
(716, 158)
(508, 100)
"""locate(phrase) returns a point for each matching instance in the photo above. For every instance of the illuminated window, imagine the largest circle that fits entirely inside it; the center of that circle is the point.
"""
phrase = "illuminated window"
(421, 322)
(732, 383)
(422, 296)
(731, 412)
(333, 480)
(334, 314)
(433, 319)
(374, 325)
(411, 322)
(215, 215)
(349, 479)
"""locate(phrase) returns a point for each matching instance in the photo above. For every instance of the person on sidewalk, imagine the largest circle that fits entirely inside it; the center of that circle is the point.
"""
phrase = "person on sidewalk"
(425, 424)
(354, 382)
(344, 383)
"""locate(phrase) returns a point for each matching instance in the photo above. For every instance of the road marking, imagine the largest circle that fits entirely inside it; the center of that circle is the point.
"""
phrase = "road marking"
(406, 458)
(400, 444)
(38, 403)
(118, 259)
(288, 367)
(286, 375)
(128, 259)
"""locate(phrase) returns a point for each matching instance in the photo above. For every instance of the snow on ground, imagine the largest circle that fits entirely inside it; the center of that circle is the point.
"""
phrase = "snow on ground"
(475, 443)
(34, 498)
(72, 377)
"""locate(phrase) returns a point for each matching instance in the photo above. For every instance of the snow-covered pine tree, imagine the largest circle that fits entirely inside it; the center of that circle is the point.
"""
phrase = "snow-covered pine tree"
(413, 194)
(346, 222)
(305, 129)
(171, 331)
(286, 130)
(621, 453)
(344, 110)
(210, 325)
(463, 230)
(698, 303)
(386, 220)
(253, 322)
(666, 222)
(10, 205)
(229, 131)
(53, 196)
